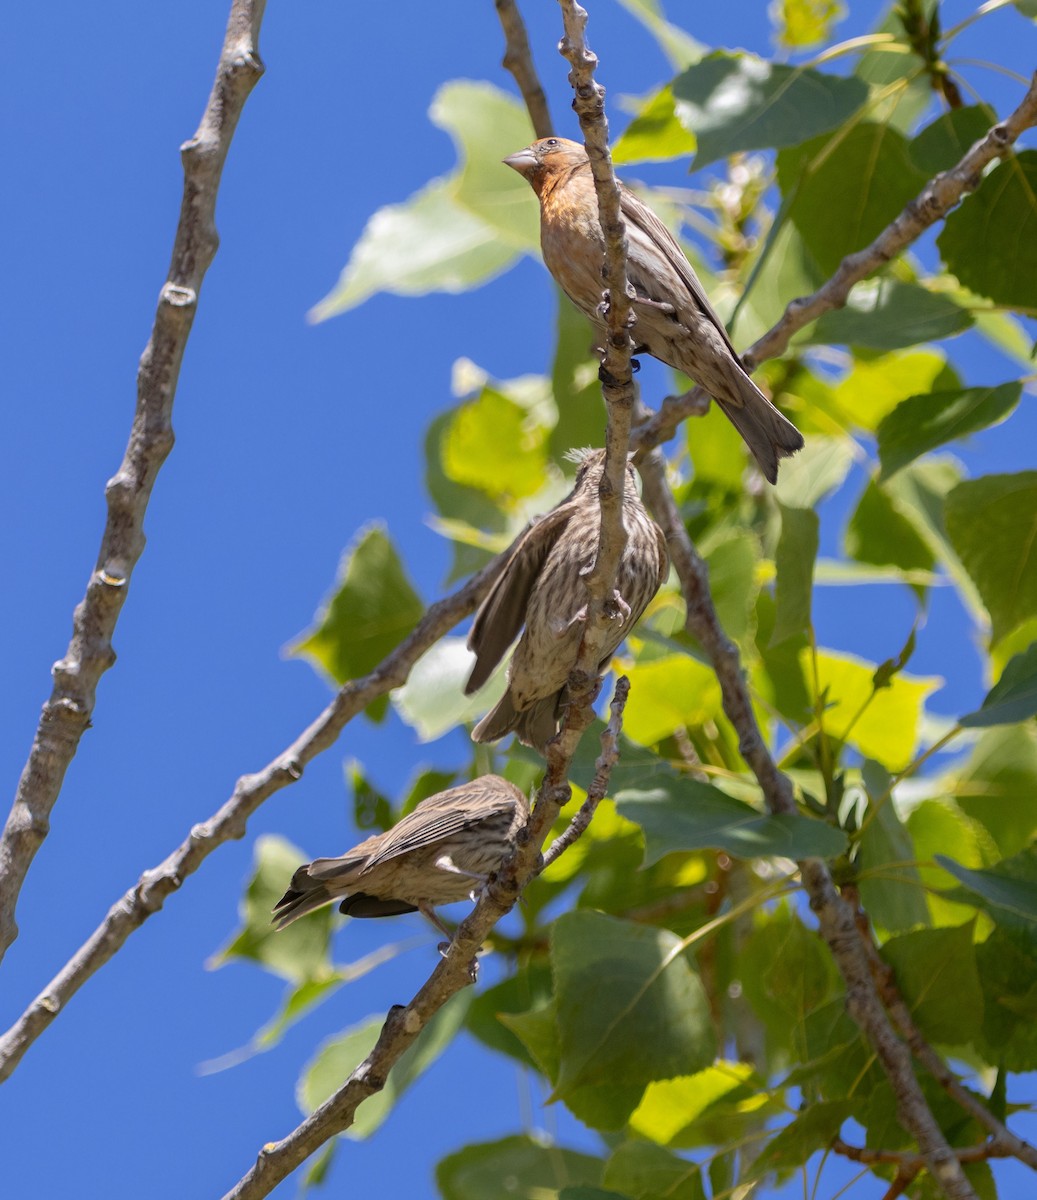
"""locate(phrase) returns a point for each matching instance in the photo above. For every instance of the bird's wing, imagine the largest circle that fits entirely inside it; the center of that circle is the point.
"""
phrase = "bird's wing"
(435, 820)
(648, 237)
(502, 614)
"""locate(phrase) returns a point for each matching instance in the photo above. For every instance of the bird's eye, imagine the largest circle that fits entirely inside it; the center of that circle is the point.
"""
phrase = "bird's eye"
(551, 142)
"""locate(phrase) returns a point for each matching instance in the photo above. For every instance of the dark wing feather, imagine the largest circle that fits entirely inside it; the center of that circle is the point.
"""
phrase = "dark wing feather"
(503, 613)
(664, 556)
(432, 821)
(647, 234)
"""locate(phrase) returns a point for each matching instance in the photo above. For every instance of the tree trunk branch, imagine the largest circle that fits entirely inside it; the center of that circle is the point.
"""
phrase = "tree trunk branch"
(66, 715)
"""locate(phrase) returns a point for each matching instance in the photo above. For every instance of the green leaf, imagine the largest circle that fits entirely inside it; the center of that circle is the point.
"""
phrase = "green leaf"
(734, 102)
(734, 581)
(990, 241)
(650, 1173)
(298, 953)
(794, 572)
(1027, 7)
(671, 1108)
(1007, 893)
(819, 468)
(655, 134)
(590, 1193)
(680, 47)
(668, 693)
(814, 1129)
(806, 22)
(458, 231)
(1007, 972)
(432, 701)
(373, 609)
(921, 423)
(940, 827)
(876, 385)
(495, 445)
(887, 730)
(717, 453)
(630, 1006)
(844, 191)
(936, 974)
(998, 786)
(891, 886)
(886, 314)
(574, 383)
(992, 523)
(340, 1056)
(517, 1166)
(878, 533)
(372, 809)
(528, 990)
(1014, 696)
(945, 141)
(682, 814)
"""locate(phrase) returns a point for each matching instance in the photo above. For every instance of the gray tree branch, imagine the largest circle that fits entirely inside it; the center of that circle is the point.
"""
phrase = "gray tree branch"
(836, 917)
(932, 204)
(518, 59)
(66, 715)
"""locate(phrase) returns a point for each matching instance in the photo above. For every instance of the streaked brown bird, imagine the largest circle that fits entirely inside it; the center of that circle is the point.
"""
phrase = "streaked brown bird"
(541, 587)
(441, 852)
(675, 320)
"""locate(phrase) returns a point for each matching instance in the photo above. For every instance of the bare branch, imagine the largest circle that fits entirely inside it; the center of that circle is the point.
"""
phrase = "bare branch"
(835, 917)
(66, 715)
(518, 59)
(598, 789)
(909, 1162)
(934, 202)
(151, 890)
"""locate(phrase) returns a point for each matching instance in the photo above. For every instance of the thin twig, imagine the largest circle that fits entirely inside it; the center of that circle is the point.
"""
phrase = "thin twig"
(606, 760)
(151, 890)
(518, 59)
(835, 916)
(908, 1161)
(66, 715)
(933, 203)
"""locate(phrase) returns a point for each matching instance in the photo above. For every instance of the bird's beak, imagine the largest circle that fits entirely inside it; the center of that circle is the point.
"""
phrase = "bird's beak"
(523, 161)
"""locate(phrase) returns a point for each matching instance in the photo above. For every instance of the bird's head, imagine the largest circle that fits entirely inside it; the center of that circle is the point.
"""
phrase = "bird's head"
(545, 159)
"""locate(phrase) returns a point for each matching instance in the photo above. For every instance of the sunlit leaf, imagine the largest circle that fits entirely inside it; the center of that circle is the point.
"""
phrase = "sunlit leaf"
(992, 523)
(805, 22)
(887, 728)
(493, 444)
(460, 230)
(671, 1106)
(655, 134)
(666, 694)
(432, 701)
(734, 102)
(876, 385)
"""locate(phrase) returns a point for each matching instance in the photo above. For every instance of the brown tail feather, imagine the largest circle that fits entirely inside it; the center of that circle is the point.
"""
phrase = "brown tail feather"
(764, 430)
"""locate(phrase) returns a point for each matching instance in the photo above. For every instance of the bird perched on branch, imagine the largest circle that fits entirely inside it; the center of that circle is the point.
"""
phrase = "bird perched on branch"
(675, 321)
(542, 587)
(443, 851)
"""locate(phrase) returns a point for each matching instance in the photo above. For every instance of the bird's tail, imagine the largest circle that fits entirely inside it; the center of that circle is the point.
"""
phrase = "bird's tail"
(764, 430)
(535, 725)
(297, 902)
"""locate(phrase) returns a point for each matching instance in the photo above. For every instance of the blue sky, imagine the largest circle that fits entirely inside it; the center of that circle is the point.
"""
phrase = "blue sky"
(289, 438)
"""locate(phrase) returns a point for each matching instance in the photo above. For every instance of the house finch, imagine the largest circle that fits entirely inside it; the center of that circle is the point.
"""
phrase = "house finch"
(441, 852)
(541, 587)
(675, 321)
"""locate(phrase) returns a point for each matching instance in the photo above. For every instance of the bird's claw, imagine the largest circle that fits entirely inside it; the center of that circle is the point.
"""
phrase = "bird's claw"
(624, 609)
(560, 628)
